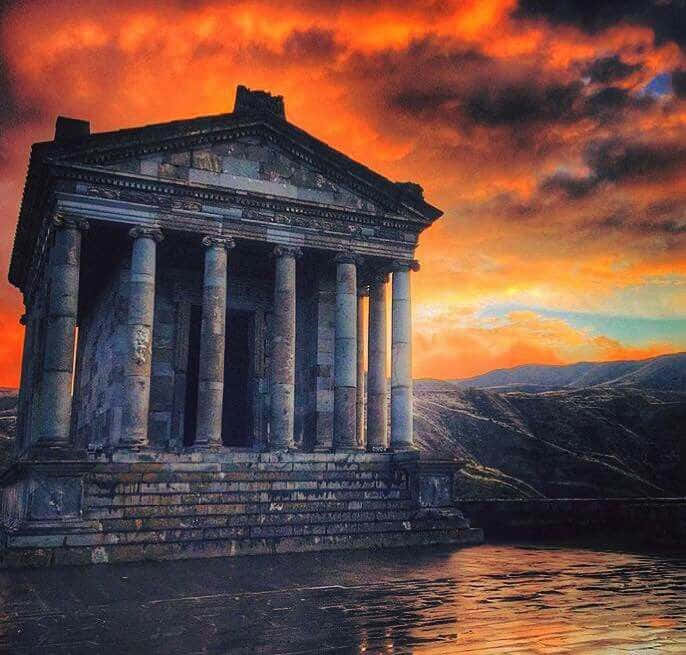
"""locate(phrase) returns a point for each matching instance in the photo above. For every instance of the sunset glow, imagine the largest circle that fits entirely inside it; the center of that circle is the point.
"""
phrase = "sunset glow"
(554, 141)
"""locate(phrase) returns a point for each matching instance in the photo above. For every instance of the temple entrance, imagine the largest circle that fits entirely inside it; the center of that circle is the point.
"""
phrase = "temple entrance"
(238, 382)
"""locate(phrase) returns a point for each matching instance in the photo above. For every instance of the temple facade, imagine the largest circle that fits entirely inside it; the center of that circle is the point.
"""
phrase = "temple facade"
(206, 346)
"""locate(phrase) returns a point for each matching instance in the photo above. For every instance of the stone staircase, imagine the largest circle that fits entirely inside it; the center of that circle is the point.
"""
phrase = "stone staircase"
(254, 504)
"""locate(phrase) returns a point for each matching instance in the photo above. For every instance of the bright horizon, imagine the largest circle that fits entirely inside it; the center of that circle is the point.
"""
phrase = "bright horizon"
(553, 139)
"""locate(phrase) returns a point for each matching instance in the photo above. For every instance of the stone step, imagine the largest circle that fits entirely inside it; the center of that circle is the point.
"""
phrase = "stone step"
(231, 547)
(241, 476)
(57, 539)
(273, 496)
(278, 508)
(120, 489)
(204, 521)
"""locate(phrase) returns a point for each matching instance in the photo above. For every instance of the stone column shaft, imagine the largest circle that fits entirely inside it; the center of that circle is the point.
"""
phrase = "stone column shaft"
(283, 349)
(60, 336)
(362, 293)
(377, 384)
(212, 343)
(139, 337)
(401, 358)
(345, 355)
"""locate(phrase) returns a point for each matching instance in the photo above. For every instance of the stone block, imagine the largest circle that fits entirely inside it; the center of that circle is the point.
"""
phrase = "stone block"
(54, 498)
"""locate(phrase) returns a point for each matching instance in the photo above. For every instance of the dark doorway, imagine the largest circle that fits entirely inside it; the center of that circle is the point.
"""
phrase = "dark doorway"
(237, 411)
(190, 412)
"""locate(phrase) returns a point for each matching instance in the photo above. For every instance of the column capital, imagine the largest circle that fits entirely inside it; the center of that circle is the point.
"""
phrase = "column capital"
(287, 251)
(218, 242)
(60, 220)
(347, 257)
(145, 232)
(405, 265)
(363, 291)
(380, 277)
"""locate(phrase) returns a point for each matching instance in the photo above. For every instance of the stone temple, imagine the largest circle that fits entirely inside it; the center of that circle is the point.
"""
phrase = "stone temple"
(200, 376)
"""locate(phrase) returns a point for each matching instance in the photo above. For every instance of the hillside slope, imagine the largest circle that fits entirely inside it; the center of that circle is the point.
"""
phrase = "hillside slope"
(666, 372)
(584, 443)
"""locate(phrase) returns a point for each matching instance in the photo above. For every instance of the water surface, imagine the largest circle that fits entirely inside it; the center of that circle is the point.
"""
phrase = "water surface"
(487, 599)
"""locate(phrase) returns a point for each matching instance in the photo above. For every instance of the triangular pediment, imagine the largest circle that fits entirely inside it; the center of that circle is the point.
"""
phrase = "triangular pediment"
(251, 164)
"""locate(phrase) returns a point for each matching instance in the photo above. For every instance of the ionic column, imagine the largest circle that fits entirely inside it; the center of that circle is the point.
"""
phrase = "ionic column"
(401, 356)
(58, 362)
(208, 432)
(377, 385)
(362, 292)
(139, 337)
(345, 354)
(283, 349)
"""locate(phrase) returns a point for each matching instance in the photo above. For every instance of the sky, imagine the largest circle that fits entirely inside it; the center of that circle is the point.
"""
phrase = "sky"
(552, 135)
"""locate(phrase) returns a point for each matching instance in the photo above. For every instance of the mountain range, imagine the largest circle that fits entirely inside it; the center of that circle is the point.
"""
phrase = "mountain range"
(666, 373)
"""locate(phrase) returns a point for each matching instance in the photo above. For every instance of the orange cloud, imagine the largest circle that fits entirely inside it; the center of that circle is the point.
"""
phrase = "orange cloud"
(522, 338)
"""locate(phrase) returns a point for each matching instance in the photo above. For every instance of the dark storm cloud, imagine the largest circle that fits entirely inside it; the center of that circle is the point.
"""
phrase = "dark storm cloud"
(570, 185)
(610, 69)
(521, 104)
(679, 83)
(311, 44)
(617, 161)
(631, 220)
(667, 18)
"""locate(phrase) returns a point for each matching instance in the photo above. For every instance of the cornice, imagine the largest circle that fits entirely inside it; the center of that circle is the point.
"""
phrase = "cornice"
(180, 195)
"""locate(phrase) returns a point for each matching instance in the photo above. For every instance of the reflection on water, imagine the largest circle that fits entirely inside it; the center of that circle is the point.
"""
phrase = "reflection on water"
(489, 599)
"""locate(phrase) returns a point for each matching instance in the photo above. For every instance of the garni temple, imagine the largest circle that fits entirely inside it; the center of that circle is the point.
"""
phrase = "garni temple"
(206, 346)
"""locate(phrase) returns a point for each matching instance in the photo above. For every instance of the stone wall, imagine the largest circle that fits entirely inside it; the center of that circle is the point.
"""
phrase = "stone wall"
(97, 405)
(636, 520)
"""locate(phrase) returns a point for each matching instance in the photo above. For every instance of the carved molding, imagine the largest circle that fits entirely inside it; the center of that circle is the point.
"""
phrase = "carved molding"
(287, 251)
(62, 221)
(348, 258)
(405, 265)
(158, 192)
(218, 242)
(143, 232)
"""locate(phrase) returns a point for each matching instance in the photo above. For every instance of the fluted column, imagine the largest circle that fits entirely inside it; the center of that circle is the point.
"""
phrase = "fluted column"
(283, 349)
(362, 293)
(401, 356)
(345, 354)
(58, 362)
(139, 336)
(377, 384)
(208, 432)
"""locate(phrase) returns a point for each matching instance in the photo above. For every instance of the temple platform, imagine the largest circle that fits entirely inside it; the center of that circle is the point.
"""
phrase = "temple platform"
(225, 504)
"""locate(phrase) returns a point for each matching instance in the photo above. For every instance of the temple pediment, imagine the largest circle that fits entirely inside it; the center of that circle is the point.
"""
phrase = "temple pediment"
(252, 164)
(251, 160)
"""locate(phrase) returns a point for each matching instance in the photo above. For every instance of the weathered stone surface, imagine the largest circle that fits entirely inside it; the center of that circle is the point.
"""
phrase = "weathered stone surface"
(181, 350)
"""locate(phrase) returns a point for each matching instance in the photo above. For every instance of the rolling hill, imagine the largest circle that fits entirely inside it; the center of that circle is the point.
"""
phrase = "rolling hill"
(666, 373)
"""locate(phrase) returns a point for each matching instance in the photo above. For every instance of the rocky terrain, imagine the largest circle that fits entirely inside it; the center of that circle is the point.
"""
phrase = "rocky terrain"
(590, 442)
